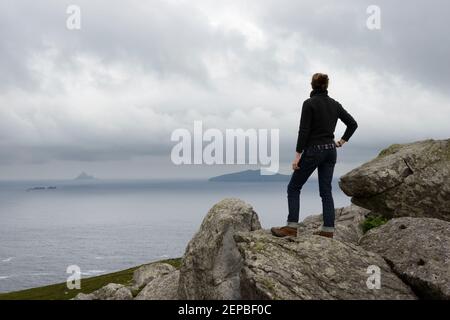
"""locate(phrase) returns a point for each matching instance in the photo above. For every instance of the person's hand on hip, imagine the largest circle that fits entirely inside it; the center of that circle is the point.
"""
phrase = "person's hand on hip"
(296, 160)
(340, 143)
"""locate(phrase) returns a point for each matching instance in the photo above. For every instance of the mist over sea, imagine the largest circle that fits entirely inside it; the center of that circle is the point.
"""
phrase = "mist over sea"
(104, 226)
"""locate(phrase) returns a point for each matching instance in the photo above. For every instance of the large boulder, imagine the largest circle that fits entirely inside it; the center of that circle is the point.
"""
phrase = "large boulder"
(404, 180)
(149, 272)
(154, 281)
(161, 288)
(212, 263)
(112, 291)
(418, 249)
(312, 267)
(348, 222)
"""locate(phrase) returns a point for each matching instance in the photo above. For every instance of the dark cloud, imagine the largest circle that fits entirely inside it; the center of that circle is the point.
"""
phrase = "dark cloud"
(117, 88)
(410, 44)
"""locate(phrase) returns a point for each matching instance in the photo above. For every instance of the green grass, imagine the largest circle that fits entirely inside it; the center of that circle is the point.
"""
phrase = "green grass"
(372, 222)
(60, 292)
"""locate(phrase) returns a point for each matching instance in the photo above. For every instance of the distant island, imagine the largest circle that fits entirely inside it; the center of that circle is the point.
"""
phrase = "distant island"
(41, 188)
(250, 176)
(84, 176)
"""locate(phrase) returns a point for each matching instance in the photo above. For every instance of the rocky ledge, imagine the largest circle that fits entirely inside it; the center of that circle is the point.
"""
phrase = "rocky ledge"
(405, 180)
(231, 257)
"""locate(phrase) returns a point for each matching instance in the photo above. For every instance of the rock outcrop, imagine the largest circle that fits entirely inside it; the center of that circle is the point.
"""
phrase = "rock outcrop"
(112, 291)
(404, 180)
(418, 250)
(147, 273)
(212, 262)
(348, 222)
(312, 267)
(230, 257)
(154, 281)
(161, 288)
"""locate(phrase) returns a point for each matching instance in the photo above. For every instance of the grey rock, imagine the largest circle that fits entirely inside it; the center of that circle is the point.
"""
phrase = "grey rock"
(311, 267)
(83, 296)
(123, 293)
(212, 263)
(112, 291)
(161, 288)
(404, 180)
(149, 272)
(418, 249)
(348, 222)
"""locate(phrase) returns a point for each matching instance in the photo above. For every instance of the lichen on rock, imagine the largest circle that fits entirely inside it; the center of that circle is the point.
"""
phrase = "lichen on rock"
(404, 180)
(418, 250)
(212, 263)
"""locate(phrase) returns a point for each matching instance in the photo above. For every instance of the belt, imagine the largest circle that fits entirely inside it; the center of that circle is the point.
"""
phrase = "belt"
(323, 146)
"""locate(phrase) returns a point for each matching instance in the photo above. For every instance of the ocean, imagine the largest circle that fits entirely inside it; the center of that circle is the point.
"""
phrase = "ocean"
(105, 226)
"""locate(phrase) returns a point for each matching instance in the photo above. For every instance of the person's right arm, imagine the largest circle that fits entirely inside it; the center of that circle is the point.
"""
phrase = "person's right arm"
(304, 128)
(303, 133)
(349, 121)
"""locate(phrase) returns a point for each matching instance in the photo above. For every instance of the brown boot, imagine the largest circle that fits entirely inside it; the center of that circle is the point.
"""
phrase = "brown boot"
(284, 231)
(324, 233)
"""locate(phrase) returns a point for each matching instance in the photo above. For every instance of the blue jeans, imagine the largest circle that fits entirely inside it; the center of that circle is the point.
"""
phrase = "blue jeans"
(312, 158)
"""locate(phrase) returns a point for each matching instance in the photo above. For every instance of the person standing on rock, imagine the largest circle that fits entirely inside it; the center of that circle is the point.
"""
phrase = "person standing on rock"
(316, 149)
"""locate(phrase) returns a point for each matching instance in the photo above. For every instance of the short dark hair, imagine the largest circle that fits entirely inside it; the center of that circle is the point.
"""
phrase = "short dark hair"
(319, 81)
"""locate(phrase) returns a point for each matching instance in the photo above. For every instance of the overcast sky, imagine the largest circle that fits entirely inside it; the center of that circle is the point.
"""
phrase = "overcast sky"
(106, 98)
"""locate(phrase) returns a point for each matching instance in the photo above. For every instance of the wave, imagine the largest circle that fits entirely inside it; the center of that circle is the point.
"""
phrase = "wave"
(7, 259)
(4, 277)
(107, 257)
(92, 272)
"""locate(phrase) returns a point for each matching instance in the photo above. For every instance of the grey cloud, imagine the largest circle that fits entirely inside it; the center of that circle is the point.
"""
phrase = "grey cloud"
(159, 37)
(166, 46)
(411, 42)
(172, 39)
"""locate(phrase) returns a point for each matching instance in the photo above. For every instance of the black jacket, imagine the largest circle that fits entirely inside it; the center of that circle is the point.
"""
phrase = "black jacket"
(319, 118)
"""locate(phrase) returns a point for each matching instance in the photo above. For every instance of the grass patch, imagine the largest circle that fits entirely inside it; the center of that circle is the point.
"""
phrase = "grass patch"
(59, 291)
(390, 150)
(372, 222)
(176, 263)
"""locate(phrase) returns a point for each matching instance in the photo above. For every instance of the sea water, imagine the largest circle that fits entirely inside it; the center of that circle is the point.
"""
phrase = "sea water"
(105, 226)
